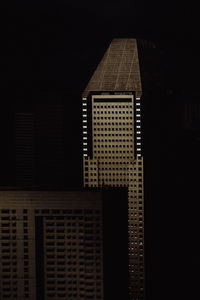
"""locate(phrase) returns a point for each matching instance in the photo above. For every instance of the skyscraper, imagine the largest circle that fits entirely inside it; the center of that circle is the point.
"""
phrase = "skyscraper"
(112, 142)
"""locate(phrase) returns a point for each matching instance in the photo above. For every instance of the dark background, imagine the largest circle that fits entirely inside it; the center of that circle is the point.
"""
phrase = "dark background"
(49, 50)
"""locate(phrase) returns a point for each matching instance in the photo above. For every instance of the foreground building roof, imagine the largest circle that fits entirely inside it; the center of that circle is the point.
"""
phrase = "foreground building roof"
(118, 70)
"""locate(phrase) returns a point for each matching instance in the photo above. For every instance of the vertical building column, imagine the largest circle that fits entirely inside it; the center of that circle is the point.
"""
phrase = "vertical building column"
(138, 127)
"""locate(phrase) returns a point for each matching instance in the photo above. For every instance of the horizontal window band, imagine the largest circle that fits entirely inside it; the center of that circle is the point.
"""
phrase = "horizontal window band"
(112, 100)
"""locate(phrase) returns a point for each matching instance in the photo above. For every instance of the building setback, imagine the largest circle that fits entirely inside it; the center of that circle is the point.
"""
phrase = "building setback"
(59, 245)
(112, 142)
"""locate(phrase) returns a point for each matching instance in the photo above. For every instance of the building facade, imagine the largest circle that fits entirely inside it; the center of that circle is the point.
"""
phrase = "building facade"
(51, 245)
(112, 142)
(59, 245)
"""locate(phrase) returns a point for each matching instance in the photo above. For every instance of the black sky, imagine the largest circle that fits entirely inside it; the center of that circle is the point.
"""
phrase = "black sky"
(63, 41)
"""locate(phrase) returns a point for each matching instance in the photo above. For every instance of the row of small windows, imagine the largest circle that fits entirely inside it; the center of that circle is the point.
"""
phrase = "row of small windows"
(74, 275)
(112, 118)
(72, 224)
(109, 180)
(116, 179)
(112, 129)
(113, 146)
(77, 218)
(111, 112)
(7, 211)
(74, 262)
(115, 134)
(112, 106)
(51, 228)
(74, 237)
(110, 169)
(74, 296)
(113, 124)
(113, 140)
(51, 231)
(64, 282)
(113, 183)
(88, 245)
(13, 211)
(66, 211)
(74, 269)
(52, 288)
(70, 230)
(103, 156)
(9, 218)
(109, 162)
(112, 174)
(89, 255)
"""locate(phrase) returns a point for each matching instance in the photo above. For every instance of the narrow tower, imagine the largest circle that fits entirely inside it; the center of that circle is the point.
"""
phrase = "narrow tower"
(112, 150)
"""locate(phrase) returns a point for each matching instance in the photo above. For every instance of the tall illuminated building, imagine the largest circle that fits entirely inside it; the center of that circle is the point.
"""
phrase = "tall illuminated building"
(112, 147)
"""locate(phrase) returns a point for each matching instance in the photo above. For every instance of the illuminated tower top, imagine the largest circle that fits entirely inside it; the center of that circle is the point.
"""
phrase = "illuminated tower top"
(118, 70)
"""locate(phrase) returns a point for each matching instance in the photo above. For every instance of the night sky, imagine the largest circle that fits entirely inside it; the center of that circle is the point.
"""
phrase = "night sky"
(62, 41)
(55, 46)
